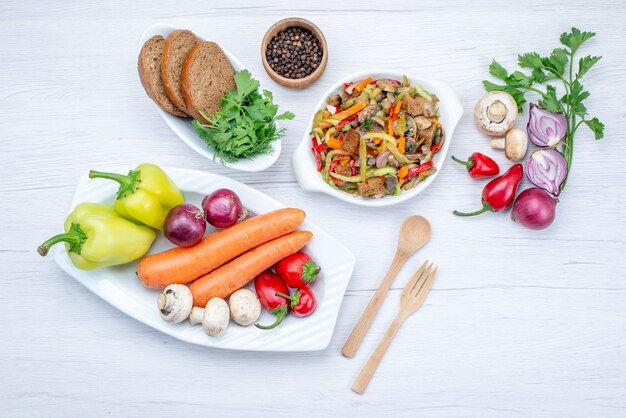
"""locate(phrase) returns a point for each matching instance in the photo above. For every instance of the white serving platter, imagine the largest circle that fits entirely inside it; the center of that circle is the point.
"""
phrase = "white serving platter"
(183, 128)
(120, 286)
(303, 160)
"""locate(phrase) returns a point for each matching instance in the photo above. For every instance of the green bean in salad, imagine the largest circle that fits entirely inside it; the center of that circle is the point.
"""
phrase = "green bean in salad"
(377, 137)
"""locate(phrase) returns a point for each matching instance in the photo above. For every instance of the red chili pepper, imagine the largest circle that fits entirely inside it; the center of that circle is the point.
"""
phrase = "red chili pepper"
(479, 165)
(499, 193)
(267, 285)
(346, 121)
(297, 270)
(303, 301)
(420, 169)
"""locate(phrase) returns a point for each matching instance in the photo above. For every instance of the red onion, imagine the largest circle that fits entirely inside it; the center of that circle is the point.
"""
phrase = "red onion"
(223, 208)
(184, 225)
(546, 129)
(382, 159)
(534, 209)
(547, 169)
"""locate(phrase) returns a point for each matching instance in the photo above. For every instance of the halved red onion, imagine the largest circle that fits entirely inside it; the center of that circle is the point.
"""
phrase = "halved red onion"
(546, 129)
(547, 169)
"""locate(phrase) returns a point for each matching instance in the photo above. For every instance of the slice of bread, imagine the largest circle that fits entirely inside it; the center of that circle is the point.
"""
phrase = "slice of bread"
(206, 76)
(177, 46)
(149, 66)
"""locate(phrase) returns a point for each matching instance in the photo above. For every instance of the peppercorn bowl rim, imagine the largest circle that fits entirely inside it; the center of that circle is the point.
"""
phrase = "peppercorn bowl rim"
(298, 83)
(183, 128)
(303, 161)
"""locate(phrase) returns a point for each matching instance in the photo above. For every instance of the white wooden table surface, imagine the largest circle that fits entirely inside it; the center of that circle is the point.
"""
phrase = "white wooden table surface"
(519, 323)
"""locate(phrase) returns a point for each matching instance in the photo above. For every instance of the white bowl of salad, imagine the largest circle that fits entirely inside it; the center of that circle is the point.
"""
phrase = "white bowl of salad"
(399, 125)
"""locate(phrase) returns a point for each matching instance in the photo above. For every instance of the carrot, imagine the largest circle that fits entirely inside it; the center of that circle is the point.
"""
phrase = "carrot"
(396, 110)
(349, 111)
(334, 143)
(362, 84)
(403, 172)
(182, 265)
(234, 275)
(401, 144)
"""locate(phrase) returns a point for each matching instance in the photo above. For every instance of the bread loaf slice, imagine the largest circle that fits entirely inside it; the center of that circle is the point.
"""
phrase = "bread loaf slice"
(149, 66)
(206, 76)
(177, 46)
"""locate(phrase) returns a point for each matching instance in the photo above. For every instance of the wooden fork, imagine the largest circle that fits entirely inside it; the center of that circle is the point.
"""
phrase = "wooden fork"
(411, 300)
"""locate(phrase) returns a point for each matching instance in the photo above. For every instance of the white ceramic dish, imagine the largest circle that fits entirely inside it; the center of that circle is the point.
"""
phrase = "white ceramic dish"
(303, 160)
(120, 287)
(182, 126)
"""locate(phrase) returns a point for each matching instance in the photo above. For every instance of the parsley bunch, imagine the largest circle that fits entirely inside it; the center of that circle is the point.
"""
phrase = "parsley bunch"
(559, 66)
(244, 126)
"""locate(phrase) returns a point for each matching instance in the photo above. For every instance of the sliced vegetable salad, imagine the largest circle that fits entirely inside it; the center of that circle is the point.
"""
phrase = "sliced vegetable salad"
(377, 137)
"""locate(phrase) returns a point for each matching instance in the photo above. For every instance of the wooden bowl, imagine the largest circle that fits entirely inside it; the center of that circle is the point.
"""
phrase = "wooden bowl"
(290, 22)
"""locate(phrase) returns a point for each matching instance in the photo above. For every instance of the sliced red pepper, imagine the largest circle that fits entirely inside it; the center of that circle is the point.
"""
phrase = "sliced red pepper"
(435, 148)
(317, 150)
(346, 121)
(346, 85)
(420, 169)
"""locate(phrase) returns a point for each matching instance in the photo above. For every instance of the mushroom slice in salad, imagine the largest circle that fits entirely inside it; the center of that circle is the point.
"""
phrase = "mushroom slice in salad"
(379, 138)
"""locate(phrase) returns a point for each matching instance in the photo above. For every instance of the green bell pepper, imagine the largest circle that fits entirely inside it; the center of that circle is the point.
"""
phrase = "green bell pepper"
(146, 194)
(96, 236)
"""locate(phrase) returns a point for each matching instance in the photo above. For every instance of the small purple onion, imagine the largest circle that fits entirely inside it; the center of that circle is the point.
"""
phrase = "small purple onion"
(223, 208)
(534, 209)
(184, 225)
(547, 169)
(546, 129)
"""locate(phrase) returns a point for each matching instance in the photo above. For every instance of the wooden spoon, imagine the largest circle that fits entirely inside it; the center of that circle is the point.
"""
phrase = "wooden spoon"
(414, 233)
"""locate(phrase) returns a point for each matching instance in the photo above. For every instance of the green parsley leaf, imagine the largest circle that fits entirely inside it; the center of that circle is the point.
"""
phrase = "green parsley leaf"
(550, 101)
(530, 60)
(585, 64)
(245, 124)
(497, 70)
(575, 38)
(597, 127)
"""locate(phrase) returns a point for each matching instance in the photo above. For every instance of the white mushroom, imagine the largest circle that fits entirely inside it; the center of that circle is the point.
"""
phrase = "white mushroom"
(245, 307)
(514, 144)
(213, 317)
(495, 113)
(175, 303)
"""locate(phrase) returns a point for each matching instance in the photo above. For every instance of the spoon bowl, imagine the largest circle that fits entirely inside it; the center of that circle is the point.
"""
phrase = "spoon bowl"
(414, 234)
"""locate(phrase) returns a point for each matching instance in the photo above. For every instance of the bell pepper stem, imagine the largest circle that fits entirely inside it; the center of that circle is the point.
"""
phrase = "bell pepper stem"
(468, 164)
(75, 237)
(280, 312)
(486, 207)
(128, 183)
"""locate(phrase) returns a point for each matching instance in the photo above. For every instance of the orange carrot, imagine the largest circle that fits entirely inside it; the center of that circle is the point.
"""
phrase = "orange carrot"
(401, 144)
(403, 172)
(362, 84)
(396, 110)
(182, 265)
(234, 275)
(349, 111)
(334, 143)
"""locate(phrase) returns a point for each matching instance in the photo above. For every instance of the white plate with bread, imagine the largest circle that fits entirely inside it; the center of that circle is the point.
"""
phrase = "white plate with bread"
(184, 73)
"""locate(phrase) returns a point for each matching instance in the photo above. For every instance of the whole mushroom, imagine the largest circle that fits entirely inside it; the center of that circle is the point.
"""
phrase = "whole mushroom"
(514, 144)
(245, 307)
(175, 303)
(214, 317)
(495, 113)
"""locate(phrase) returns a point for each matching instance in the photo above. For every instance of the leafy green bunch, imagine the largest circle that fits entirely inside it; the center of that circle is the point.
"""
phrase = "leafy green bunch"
(245, 124)
(558, 66)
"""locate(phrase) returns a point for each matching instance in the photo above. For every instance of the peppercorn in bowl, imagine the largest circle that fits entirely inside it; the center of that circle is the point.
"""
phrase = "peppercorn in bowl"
(400, 126)
(294, 53)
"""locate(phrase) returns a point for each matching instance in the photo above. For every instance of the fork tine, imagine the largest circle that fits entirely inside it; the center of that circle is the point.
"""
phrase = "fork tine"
(414, 279)
(420, 283)
(423, 291)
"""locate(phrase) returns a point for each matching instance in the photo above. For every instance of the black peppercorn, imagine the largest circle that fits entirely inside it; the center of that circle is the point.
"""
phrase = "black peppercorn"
(295, 53)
